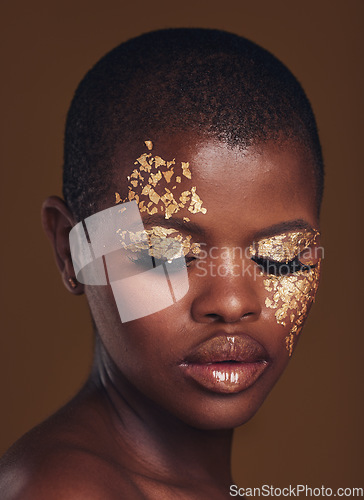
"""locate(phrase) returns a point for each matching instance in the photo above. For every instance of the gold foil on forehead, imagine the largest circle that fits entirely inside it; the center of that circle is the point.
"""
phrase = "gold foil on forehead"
(142, 160)
(168, 175)
(185, 198)
(186, 170)
(155, 178)
(158, 162)
(196, 203)
(150, 192)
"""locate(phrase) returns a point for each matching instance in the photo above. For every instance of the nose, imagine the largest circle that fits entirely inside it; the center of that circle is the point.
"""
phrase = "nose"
(227, 292)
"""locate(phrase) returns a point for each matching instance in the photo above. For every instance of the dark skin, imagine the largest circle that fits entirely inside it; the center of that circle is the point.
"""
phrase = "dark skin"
(139, 428)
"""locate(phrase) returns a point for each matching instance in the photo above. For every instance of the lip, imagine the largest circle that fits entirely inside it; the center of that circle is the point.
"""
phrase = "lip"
(226, 364)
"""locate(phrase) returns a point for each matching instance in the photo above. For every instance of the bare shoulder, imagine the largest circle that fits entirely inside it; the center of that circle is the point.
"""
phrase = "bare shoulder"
(62, 472)
(68, 457)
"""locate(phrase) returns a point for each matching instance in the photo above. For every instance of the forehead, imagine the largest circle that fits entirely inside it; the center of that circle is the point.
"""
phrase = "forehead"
(253, 188)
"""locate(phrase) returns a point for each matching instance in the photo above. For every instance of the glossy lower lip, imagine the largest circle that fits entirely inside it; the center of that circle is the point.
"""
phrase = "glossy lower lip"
(225, 378)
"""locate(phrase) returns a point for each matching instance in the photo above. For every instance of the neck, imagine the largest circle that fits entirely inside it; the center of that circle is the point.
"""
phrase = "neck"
(153, 441)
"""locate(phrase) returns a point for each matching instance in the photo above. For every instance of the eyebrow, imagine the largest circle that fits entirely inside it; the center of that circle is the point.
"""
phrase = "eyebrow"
(284, 227)
(174, 223)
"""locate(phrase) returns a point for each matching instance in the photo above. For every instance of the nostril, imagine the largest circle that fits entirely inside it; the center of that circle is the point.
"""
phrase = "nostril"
(218, 317)
(213, 316)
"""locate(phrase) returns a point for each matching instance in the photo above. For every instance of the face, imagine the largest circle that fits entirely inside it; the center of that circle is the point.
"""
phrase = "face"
(247, 227)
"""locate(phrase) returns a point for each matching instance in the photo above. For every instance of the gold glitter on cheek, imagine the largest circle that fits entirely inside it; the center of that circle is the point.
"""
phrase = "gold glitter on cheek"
(290, 295)
(292, 298)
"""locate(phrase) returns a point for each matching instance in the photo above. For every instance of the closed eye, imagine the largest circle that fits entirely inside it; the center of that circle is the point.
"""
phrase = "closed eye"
(144, 260)
(269, 266)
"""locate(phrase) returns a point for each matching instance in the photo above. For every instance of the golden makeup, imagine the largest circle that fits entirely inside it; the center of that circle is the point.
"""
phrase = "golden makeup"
(151, 184)
(160, 242)
(291, 294)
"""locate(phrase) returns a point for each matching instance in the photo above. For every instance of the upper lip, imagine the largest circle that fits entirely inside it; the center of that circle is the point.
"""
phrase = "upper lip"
(238, 347)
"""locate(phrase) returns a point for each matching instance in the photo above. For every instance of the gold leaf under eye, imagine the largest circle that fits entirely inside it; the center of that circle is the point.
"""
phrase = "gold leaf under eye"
(290, 295)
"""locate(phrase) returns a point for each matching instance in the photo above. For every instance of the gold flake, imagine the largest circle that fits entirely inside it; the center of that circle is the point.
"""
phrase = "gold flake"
(155, 178)
(167, 197)
(117, 198)
(168, 175)
(149, 145)
(142, 160)
(186, 170)
(158, 162)
(185, 197)
(154, 196)
(186, 219)
(171, 209)
(178, 179)
(196, 203)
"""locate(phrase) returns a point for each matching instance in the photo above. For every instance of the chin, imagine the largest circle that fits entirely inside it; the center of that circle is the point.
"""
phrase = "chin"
(223, 412)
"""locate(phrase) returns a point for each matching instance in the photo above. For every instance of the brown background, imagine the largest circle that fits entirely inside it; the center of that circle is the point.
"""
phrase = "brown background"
(310, 429)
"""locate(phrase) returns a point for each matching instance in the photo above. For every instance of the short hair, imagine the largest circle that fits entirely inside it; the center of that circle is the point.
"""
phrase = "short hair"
(204, 81)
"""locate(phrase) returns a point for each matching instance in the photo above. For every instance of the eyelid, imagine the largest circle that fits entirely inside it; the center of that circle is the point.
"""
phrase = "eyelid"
(284, 247)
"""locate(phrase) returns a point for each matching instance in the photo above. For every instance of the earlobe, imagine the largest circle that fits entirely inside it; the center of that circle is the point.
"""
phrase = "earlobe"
(57, 221)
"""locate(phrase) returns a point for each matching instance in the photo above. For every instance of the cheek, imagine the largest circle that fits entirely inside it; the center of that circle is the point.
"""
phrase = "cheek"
(291, 297)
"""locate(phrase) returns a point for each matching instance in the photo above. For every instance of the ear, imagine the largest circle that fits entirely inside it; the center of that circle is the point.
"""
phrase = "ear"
(57, 222)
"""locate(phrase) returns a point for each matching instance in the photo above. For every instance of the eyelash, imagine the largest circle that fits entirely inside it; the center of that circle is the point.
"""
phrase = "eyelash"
(276, 268)
(143, 258)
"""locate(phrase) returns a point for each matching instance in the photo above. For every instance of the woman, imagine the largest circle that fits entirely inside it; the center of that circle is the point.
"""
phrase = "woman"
(192, 184)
